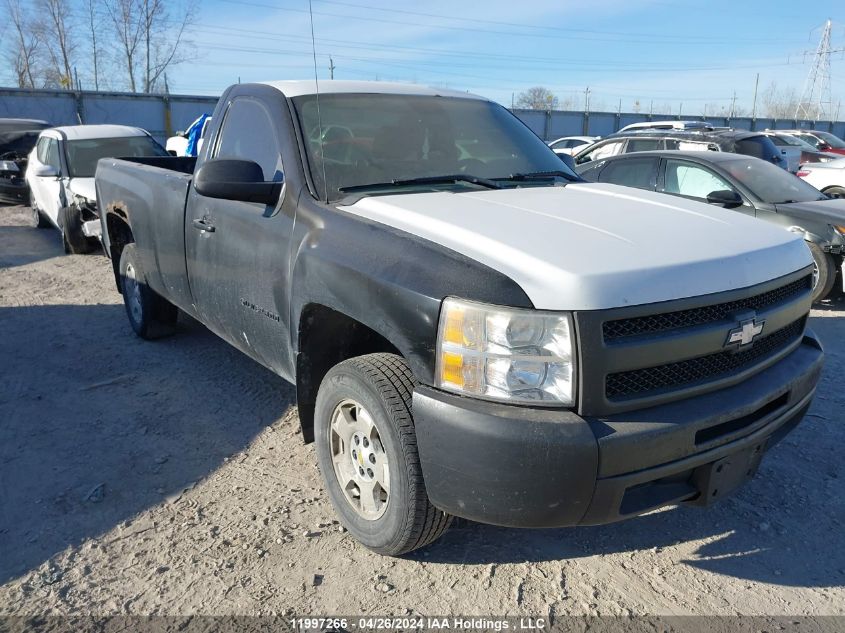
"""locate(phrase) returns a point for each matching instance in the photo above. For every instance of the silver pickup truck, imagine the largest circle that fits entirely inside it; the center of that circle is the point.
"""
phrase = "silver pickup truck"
(472, 329)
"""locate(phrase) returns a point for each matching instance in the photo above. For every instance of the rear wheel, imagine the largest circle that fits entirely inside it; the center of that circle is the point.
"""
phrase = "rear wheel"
(367, 452)
(38, 220)
(824, 272)
(150, 315)
(73, 239)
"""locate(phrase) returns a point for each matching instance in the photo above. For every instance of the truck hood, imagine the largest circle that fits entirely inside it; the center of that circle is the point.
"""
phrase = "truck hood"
(84, 188)
(590, 246)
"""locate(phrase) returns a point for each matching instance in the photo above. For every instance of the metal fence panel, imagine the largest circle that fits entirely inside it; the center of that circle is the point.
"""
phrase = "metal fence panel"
(162, 115)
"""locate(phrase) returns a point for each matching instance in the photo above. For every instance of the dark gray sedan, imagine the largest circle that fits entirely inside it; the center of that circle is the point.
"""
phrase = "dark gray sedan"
(745, 184)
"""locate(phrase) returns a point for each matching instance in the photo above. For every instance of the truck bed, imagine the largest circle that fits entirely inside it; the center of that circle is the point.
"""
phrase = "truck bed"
(149, 193)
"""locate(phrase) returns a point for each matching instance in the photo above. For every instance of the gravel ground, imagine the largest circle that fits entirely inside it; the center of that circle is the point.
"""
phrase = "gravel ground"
(169, 478)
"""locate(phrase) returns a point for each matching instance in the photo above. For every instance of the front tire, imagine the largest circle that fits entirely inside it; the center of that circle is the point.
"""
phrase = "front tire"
(824, 272)
(367, 453)
(150, 315)
(73, 239)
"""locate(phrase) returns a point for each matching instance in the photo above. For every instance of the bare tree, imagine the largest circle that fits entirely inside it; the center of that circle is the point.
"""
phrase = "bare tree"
(125, 17)
(24, 47)
(537, 98)
(151, 34)
(57, 34)
(781, 103)
(92, 23)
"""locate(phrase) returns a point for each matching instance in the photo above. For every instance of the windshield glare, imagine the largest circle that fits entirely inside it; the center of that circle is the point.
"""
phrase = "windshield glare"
(82, 155)
(770, 183)
(377, 138)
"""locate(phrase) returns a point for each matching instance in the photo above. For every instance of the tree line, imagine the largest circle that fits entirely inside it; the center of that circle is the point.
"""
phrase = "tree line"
(774, 102)
(96, 44)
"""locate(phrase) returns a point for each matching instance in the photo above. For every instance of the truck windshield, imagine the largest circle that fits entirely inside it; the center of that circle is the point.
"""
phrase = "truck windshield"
(83, 154)
(406, 139)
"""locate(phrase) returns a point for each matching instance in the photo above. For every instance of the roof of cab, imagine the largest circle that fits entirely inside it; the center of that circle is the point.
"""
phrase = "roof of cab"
(82, 132)
(336, 86)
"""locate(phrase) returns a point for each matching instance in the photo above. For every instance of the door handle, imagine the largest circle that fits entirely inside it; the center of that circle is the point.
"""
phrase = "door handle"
(203, 226)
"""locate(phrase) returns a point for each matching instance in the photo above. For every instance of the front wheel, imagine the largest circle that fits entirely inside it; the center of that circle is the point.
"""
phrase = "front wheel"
(74, 240)
(824, 272)
(150, 315)
(367, 453)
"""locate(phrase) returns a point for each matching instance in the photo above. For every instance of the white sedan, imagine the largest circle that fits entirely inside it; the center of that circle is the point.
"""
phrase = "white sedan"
(60, 176)
(568, 144)
(827, 177)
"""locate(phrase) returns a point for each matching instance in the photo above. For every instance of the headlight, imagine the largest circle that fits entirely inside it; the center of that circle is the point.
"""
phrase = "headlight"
(506, 354)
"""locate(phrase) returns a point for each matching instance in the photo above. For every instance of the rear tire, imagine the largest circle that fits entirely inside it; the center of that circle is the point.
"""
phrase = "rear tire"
(38, 220)
(73, 239)
(824, 272)
(374, 392)
(150, 315)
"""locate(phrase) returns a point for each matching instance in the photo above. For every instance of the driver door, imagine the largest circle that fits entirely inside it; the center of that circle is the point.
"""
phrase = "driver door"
(237, 252)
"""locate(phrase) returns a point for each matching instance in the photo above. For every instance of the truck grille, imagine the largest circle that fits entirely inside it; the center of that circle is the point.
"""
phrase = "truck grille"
(613, 331)
(640, 382)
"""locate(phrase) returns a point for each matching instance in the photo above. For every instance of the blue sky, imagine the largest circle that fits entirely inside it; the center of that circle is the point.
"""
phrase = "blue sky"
(674, 53)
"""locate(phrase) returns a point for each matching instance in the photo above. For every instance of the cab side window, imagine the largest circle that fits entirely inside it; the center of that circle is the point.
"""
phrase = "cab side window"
(248, 134)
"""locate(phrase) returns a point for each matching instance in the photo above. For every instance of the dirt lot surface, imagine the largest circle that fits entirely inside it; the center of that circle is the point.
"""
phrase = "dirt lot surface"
(170, 478)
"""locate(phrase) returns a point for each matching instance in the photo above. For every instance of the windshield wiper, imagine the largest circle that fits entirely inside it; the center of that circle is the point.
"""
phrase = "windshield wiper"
(426, 180)
(540, 175)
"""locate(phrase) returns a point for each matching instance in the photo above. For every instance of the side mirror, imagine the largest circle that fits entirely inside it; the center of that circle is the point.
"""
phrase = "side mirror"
(234, 179)
(567, 160)
(45, 171)
(728, 198)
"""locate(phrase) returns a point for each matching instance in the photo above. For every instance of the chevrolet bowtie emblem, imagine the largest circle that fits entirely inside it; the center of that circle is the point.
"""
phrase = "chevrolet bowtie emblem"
(746, 332)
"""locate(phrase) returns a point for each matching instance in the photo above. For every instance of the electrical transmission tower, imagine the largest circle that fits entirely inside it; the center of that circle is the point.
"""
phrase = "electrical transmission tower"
(815, 102)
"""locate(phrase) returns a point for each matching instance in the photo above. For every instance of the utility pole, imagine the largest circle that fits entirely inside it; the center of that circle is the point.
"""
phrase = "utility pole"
(754, 107)
(587, 100)
(815, 102)
(331, 67)
(680, 109)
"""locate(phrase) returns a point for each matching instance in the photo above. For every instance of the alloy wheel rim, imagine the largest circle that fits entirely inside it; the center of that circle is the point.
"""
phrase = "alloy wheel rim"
(133, 293)
(360, 462)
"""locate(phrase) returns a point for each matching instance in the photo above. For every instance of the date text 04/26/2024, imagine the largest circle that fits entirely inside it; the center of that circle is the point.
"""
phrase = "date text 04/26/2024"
(432, 623)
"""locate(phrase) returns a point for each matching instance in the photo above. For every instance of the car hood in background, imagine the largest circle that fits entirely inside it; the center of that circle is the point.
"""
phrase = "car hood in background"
(84, 188)
(829, 211)
(592, 246)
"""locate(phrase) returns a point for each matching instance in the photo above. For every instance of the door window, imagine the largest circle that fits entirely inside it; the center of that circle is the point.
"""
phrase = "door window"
(634, 172)
(41, 150)
(248, 134)
(48, 153)
(642, 145)
(691, 180)
(611, 148)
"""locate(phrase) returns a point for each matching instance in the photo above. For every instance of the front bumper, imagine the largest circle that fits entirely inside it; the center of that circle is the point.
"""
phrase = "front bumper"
(524, 467)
